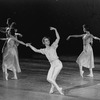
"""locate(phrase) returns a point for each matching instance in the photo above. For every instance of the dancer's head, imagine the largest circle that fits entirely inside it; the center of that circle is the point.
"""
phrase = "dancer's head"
(85, 30)
(46, 41)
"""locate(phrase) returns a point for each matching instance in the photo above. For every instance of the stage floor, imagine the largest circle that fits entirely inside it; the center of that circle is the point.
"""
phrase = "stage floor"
(32, 83)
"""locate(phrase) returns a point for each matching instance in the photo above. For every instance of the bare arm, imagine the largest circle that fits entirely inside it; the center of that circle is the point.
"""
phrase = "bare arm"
(33, 48)
(3, 38)
(96, 38)
(19, 41)
(76, 36)
(8, 21)
(57, 34)
(2, 30)
(18, 34)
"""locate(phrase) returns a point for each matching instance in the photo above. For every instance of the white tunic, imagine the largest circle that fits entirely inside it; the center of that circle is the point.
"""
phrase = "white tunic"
(50, 52)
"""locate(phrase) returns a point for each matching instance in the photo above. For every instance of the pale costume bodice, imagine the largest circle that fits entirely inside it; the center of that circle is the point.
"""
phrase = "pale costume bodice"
(50, 52)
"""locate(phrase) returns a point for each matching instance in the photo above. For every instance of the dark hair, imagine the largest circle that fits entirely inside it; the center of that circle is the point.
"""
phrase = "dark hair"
(43, 40)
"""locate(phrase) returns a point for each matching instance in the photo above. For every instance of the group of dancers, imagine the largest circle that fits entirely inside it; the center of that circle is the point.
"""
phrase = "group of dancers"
(10, 54)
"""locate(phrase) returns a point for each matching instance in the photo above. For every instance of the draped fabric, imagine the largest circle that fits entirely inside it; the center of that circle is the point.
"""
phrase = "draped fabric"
(10, 56)
(86, 58)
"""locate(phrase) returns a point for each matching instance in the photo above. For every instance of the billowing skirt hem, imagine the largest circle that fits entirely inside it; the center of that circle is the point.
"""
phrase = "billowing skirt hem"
(11, 60)
(86, 58)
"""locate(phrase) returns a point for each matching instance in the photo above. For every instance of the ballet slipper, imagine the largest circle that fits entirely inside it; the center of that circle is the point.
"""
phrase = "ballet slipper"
(82, 72)
(90, 75)
(6, 77)
(14, 78)
(60, 91)
(51, 91)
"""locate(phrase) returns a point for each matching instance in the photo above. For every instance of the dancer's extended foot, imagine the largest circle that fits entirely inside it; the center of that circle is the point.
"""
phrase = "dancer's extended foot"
(81, 73)
(90, 75)
(6, 76)
(51, 91)
(60, 91)
(15, 78)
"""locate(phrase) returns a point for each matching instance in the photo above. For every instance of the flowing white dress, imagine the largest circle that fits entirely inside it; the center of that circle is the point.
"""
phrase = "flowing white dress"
(86, 58)
(10, 56)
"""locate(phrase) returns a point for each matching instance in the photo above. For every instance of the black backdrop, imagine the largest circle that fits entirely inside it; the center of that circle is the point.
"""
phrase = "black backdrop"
(34, 17)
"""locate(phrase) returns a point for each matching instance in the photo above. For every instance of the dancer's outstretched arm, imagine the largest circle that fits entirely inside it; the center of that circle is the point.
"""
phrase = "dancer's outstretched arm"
(4, 46)
(21, 42)
(19, 34)
(57, 35)
(6, 39)
(75, 36)
(34, 49)
(10, 27)
(96, 38)
(3, 38)
(8, 21)
(2, 30)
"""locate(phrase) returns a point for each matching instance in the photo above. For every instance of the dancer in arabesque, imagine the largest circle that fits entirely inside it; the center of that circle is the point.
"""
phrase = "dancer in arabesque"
(55, 64)
(86, 58)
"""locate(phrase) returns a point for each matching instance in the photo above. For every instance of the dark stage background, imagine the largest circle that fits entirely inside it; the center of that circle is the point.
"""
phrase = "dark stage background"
(34, 17)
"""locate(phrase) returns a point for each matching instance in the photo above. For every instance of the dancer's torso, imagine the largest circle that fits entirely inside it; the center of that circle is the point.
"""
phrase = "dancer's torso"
(50, 53)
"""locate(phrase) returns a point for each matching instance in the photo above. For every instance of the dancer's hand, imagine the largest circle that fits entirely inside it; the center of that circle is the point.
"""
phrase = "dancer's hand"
(68, 38)
(28, 44)
(19, 34)
(52, 28)
(98, 39)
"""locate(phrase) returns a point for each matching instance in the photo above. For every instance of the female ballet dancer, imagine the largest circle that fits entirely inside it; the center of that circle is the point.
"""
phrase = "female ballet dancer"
(86, 58)
(10, 58)
(10, 54)
(51, 54)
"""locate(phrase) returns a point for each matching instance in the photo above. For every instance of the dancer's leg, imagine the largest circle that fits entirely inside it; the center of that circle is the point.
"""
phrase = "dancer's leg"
(17, 62)
(81, 70)
(15, 74)
(52, 89)
(52, 86)
(91, 72)
(5, 70)
(49, 78)
(55, 74)
(52, 75)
